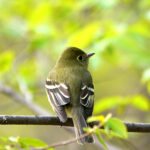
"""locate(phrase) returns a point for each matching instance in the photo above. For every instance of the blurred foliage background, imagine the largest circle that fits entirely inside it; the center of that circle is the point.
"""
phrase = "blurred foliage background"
(33, 33)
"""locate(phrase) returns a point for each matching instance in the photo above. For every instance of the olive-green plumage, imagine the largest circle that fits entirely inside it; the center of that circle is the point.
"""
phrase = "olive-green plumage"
(70, 89)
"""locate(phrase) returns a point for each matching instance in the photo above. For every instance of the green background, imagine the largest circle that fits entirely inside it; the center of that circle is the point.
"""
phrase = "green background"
(33, 34)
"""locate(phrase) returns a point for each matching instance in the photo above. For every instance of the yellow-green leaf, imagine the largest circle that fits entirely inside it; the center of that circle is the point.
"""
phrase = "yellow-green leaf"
(116, 128)
(6, 61)
(50, 148)
(86, 129)
(106, 103)
(99, 137)
(140, 102)
(33, 142)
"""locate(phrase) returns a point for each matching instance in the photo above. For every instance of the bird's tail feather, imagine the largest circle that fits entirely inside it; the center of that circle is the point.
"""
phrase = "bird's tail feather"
(79, 124)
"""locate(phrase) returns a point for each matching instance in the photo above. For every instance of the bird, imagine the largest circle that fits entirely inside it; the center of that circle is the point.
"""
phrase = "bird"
(70, 90)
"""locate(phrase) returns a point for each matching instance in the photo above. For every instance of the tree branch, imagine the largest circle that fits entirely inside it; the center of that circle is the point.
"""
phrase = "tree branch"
(21, 99)
(18, 97)
(43, 120)
(53, 120)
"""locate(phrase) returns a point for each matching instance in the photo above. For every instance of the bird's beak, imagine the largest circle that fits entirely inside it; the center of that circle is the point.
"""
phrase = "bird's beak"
(90, 54)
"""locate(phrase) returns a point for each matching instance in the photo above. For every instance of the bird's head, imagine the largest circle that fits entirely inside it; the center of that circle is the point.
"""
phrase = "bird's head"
(73, 56)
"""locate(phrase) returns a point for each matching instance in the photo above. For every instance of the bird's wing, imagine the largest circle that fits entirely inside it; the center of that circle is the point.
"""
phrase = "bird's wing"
(87, 99)
(59, 96)
(87, 95)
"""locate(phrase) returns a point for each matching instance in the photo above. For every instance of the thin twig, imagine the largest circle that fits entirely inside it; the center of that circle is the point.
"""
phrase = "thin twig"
(68, 141)
(63, 142)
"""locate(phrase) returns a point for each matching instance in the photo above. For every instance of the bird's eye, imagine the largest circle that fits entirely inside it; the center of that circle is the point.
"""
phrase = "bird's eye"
(80, 58)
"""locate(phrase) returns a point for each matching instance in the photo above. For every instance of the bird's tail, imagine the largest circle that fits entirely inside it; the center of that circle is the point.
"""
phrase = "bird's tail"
(79, 124)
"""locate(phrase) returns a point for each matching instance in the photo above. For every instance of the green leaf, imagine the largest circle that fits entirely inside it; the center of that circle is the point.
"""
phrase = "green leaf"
(116, 128)
(106, 103)
(99, 137)
(32, 142)
(140, 102)
(6, 61)
(26, 75)
(4, 139)
(2, 147)
(24, 146)
(50, 148)
(104, 131)
(10, 148)
(86, 129)
(39, 14)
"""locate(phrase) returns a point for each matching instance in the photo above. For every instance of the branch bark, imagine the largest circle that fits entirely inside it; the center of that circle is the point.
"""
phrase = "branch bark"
(53, 120)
